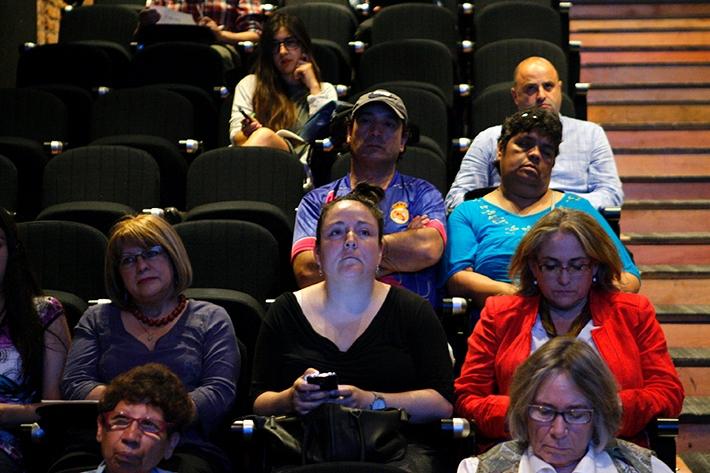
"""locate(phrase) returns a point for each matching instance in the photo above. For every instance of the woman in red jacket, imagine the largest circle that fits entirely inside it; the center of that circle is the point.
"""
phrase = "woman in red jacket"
(567, 269)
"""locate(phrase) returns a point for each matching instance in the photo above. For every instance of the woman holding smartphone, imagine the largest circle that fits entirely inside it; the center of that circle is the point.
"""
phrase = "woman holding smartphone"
(284, 90)
(384, 343)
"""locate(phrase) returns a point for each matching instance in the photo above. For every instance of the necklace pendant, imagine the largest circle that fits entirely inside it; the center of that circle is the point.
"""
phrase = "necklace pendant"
(149, 336)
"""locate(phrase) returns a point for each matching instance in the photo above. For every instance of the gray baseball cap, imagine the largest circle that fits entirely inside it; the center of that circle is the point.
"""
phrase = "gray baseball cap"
(383, 96)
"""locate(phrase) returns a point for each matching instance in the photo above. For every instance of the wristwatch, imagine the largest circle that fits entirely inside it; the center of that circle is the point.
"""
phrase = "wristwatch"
(379, 403)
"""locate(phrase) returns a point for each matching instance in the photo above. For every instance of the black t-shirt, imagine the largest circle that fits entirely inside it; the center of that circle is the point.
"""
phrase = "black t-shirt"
(403, 349)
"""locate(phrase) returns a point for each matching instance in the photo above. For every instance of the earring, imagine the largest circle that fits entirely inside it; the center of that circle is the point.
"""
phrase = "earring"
(320, 271)
(535, 282)
(594, 279)
(377, 270)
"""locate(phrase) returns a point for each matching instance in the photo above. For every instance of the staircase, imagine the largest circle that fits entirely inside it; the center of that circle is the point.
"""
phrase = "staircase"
(648, 63)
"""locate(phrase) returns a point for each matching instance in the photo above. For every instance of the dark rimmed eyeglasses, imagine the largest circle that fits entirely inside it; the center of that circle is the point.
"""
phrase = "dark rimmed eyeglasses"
(290, 42)
(130, 259)
(121, 421)
(546, 414)
(574, 268)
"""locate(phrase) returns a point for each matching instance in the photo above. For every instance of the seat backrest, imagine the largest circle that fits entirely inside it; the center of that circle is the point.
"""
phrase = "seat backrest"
(8, 184)
(66, 256)
(413, 60)
(333, 64)
(426, 110)
(103, 173)
(143, 111)
(495, 62)
(416, 20)
(232, 254)
(33, 114)
(494, 104)
(323, 20)
(84, 65)
(183, 62)
(415, 162)
(517, 19)
(103, 22)
(246, 173)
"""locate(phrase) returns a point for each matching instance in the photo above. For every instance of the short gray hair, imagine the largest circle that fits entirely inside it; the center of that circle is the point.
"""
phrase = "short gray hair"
(585, 368)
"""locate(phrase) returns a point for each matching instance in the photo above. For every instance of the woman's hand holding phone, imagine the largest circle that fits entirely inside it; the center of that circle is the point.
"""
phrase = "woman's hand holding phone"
(249, 124)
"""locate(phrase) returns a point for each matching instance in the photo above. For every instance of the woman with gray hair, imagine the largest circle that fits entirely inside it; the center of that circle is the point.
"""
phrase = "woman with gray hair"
(563, 413)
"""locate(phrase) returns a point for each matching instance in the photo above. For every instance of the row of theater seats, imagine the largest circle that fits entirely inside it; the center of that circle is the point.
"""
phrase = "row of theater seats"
(420, 59)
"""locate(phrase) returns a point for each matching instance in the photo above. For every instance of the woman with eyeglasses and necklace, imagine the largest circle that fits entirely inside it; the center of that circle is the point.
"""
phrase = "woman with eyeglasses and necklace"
(484, 232)
(566, 267)
(150, 321)
(283, 92)
(563, 414)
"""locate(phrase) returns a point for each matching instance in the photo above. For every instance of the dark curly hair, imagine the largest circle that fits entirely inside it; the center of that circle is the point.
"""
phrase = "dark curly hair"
(368, 195)
(153, 384)
(538, 119)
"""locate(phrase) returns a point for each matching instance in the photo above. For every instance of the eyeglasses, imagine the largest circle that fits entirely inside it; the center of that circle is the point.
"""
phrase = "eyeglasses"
(128, 260)
(547, 414)
(121, 421)
(291, 44)
(574, 268)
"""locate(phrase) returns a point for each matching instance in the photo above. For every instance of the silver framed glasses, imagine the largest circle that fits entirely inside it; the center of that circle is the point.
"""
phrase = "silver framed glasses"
(546, 414)
(574, 268)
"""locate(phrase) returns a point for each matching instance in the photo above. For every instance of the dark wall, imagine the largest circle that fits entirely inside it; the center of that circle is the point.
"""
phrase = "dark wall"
(18, 24)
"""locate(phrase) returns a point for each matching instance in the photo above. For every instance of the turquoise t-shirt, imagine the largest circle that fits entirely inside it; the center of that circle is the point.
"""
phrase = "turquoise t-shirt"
(484, 236)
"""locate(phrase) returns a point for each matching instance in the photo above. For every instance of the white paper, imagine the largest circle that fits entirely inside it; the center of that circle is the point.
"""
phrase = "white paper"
(172, 17)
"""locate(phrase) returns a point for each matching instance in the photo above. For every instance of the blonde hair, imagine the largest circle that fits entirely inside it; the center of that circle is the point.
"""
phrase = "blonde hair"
(595, 241)
(146, 231)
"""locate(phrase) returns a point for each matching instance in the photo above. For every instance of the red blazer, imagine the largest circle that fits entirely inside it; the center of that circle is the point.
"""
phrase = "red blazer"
(626, 334)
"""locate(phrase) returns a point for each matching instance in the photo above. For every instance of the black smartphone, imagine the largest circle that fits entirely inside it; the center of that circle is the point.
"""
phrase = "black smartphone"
(327, 381)
(244, 114)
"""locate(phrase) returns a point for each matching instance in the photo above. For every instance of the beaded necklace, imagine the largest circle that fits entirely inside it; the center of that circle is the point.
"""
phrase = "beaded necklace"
(162, 321)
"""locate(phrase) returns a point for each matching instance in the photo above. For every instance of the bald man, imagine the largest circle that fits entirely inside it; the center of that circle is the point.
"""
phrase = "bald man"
(585, 165)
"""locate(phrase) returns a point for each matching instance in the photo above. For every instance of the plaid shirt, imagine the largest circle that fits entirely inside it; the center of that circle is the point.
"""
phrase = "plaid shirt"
(234, 15)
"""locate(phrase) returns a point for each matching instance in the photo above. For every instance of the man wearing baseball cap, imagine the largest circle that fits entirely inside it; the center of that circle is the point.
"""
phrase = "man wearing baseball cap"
(414, 214)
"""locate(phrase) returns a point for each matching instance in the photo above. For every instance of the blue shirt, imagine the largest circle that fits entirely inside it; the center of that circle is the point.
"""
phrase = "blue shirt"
(102, 469)
(405, 198)
(585, 165)
(484, 237)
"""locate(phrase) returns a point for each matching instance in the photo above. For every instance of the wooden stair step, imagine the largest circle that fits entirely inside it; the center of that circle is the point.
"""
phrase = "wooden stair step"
(628, 39)
(696, 410)
(677, 284)
(649, 112)
(623, 56)
(661, 163)
(663, 216)
(666, 187)
(581, 9)
(696, 462)
(658, 249)
(690, 357)
(694, 430)
(668, 73)
(679, 271)
(601, 94)
(638, 24)
(669, 140)
(683, 313)
(692, 366)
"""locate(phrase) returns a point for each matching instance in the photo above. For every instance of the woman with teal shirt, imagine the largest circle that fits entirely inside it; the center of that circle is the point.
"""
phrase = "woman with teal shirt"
(484, 232)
